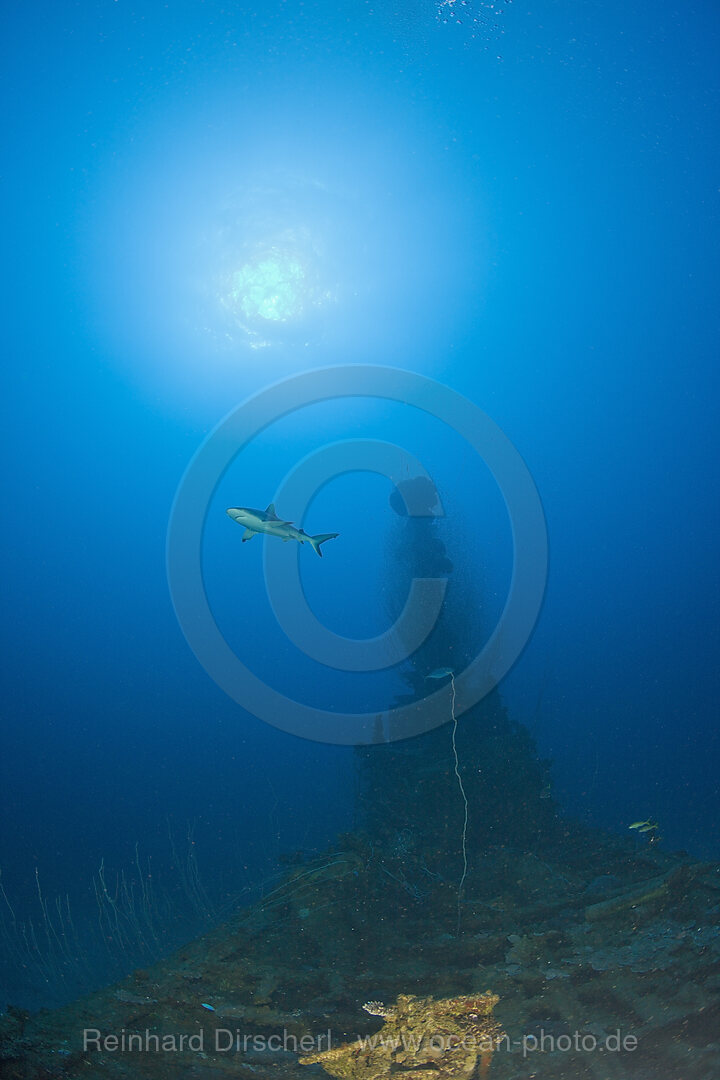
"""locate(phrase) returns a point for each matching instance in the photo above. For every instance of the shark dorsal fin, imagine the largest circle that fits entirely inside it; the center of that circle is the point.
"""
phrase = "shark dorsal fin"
(271, 510)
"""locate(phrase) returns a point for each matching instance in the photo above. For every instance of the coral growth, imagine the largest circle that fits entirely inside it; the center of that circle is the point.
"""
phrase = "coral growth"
(448, 1037)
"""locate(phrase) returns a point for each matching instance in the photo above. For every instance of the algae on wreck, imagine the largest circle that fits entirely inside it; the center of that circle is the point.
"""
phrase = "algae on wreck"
(449, 1037)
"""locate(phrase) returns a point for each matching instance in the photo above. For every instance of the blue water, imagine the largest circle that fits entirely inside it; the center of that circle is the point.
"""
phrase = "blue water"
(521, 205)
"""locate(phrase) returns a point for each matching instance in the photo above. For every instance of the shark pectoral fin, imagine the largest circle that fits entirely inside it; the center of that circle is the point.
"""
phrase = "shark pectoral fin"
(247, 535)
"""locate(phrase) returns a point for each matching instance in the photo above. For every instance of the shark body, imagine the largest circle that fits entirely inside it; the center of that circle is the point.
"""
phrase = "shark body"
(267, 521)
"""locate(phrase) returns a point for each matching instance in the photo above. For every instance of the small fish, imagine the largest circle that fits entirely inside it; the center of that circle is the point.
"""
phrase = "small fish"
(205, 1005)
(644, 826)
(440, 673)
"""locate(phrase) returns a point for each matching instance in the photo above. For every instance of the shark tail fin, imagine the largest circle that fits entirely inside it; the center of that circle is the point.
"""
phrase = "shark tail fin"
(316, 541)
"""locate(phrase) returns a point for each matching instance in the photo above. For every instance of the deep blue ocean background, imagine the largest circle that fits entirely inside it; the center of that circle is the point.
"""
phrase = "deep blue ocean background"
(520, 203)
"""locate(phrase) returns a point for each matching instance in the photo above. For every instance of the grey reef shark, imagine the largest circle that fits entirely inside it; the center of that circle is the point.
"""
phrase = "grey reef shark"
(267, 521)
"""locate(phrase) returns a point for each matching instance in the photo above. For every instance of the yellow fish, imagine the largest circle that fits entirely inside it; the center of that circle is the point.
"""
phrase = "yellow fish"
(644, 826)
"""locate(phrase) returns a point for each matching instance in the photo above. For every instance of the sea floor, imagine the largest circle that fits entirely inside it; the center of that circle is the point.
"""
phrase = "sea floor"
(605, 960)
